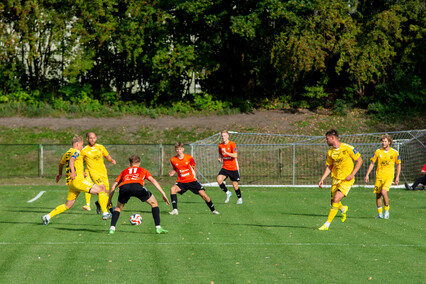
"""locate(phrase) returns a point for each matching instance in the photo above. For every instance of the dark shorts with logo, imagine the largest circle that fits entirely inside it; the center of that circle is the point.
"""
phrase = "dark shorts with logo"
(133, 189)
(193, 186)
(233, 175)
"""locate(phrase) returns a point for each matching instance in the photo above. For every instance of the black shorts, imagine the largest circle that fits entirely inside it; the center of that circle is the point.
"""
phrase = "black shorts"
(233, 175)
(193, 186)
(133, 189)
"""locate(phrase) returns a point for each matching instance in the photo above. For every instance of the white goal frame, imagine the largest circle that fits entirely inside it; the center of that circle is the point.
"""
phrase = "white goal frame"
(279, 160)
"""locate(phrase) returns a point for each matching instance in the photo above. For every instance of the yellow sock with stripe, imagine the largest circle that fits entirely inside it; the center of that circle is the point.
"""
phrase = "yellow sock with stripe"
(333, 211)
(386, 208)
(58, 210)
(87, 196)
(103, 200)
(380, 210)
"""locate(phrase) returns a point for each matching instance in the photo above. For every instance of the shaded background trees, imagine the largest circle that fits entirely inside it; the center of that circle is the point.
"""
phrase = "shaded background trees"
(243, 53)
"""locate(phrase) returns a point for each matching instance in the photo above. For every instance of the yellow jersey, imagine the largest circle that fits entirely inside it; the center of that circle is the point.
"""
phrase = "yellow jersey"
(386, 161)
(94, 158)
(78, 164)
(342, 160)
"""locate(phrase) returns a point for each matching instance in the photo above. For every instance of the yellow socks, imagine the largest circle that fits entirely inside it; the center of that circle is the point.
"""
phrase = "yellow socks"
(333, 211)
(103, 200)
(87, 196)
(386, 208)
(58, 210)
(380, 210)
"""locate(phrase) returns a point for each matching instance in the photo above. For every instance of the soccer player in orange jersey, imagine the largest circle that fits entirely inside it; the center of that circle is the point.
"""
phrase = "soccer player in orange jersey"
(184, 165)
(228, 156)
(131, 182)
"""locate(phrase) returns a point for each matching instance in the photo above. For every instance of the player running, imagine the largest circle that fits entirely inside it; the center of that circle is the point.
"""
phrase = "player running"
(93, 154)
(184, 165)
(386, 159)
(340, 164)
(228, 156)
(75, 178)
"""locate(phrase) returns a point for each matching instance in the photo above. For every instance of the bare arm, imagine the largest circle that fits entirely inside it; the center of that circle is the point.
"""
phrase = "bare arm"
(326, 173)
(232, 155)
(59, 175)
(356, 169)
(72, 168)
(398, 171)
(370, 168)
(111, 193)
(158, 187)
(110, 159)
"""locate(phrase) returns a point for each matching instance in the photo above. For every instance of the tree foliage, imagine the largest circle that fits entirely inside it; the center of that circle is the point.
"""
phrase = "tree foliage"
(307, 53)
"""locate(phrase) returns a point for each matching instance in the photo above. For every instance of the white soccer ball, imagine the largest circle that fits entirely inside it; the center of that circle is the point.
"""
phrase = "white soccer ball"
(135, 219)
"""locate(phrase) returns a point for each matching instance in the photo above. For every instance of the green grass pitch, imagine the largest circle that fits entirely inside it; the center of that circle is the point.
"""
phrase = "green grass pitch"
(272, 237)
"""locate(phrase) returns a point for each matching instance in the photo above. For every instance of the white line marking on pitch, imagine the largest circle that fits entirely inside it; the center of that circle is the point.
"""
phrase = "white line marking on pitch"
(231, 244)
(37, 197)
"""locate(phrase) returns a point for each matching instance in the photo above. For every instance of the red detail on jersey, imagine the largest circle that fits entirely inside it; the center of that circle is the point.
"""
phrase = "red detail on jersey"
(133, 175)
(184, 168)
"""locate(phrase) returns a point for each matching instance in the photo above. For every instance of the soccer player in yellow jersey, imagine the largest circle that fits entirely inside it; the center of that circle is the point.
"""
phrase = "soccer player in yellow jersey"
(340, 163)
(93, 154)
(75, 178)
(386, 159)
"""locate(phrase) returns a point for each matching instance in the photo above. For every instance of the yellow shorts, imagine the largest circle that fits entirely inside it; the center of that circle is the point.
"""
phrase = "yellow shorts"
(79, 185)
(382, 184)
(100, 179)
(343, 186)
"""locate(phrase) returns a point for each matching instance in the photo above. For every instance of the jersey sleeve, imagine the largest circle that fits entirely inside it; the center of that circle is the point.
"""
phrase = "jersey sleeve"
(397, 158)
(147, 175)
(64, 159)
(191, 161)
(119, 178)
(173, 166)
(76, 154)
(329, 160)
(233, 148)
(104, 151)
(375, 155)
(354, 153)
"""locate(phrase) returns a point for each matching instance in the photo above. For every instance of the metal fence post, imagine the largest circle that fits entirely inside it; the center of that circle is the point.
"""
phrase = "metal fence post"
(40, 160)
(161, 158)
(294, 164)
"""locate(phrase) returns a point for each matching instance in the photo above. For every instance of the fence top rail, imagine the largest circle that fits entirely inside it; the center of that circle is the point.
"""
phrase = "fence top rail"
(301, 139)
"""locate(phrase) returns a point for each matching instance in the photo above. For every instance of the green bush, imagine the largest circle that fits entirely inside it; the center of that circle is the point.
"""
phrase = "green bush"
(401, 94)
(315, 97)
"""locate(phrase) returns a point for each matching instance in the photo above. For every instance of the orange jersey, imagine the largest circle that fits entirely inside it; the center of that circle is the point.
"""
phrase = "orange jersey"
(184, 168)
(229, 163)
(133, 175)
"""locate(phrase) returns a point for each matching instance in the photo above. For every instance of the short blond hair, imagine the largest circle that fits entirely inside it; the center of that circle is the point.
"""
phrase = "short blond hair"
(76, 139)
(387, 136)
